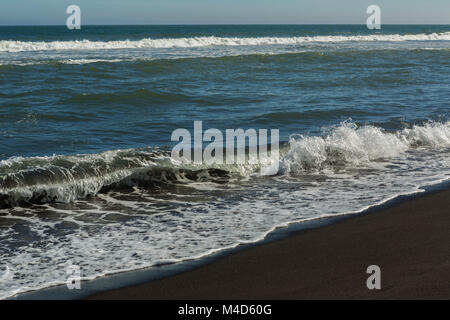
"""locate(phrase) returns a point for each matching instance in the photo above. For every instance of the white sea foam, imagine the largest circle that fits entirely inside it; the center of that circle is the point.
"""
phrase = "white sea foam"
(126, 231)
(18, 46)
(350, 145)
(68, 178)
(87, 61)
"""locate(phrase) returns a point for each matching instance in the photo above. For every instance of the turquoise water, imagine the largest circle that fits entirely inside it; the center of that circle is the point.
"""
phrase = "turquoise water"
(86, 119)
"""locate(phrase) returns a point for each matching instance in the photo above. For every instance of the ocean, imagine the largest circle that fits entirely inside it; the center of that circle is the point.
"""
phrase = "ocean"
(86, 118)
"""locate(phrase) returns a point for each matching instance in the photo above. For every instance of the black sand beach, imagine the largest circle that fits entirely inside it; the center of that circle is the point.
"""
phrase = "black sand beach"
(409, 241)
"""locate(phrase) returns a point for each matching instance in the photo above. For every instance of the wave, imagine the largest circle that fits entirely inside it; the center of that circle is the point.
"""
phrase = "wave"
(39, 180)
(19, 46)
(350, 146)
(309, 53)
(67, 178)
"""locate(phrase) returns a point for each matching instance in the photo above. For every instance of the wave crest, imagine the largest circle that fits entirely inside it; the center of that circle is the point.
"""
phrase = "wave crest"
(350, 145)
(18, 46)
(67, 178)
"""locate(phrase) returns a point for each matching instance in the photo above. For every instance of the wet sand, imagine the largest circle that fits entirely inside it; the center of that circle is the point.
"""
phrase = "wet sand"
(409, 241)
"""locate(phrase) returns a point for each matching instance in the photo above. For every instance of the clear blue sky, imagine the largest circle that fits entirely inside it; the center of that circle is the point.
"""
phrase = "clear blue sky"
(52, 12)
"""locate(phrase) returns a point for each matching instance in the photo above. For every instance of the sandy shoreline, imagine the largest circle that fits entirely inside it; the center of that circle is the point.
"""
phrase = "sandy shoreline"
(410, 242)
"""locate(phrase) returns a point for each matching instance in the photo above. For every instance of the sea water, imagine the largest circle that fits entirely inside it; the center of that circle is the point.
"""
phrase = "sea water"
(86, 117)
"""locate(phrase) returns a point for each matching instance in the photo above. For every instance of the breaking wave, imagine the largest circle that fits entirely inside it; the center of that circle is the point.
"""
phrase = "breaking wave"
(39, 180)
(67, 178)
(18, 46)
(349, 145)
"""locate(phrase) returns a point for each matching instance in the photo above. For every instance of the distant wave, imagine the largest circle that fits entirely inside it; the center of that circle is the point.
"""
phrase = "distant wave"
(18, 46)
(67, 178)
(224, 54)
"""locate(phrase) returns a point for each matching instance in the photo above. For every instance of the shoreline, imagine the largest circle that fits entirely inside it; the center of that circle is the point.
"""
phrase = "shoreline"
(408, 240)
(115, 286)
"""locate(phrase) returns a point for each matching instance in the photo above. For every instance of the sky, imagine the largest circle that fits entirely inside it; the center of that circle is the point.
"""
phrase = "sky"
(112, 12)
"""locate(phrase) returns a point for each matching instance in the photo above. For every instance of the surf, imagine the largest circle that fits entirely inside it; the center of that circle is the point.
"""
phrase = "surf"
(210, 41)
(344, 147)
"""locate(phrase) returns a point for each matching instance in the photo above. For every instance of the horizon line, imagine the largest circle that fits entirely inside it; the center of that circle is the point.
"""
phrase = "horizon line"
(226, 24)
